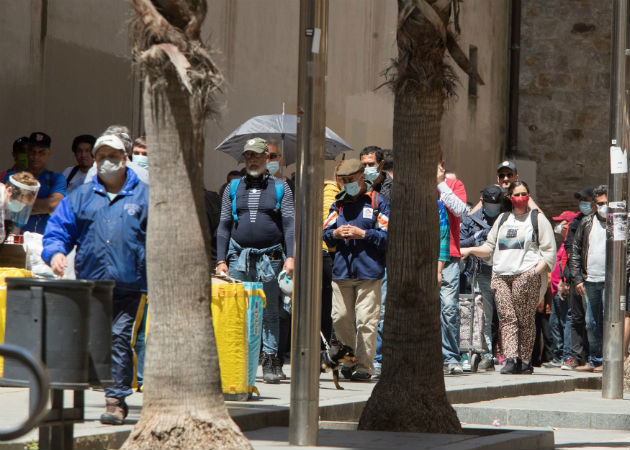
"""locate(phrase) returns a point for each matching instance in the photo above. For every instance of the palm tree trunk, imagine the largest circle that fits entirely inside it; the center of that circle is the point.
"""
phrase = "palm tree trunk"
(410, 395)
(183, 403)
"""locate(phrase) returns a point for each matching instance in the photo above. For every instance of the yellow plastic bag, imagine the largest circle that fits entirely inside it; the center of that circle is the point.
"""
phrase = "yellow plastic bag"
(229, 318)
(10, 272)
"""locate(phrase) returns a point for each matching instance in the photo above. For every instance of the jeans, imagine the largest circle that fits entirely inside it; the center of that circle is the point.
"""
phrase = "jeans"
(378, 358)
(449, 306)
(271, 320)
(327, 294)
(594, 320)
(579, 340)
(490, 331)
(140, 343)
(560, 332)
(124, 309)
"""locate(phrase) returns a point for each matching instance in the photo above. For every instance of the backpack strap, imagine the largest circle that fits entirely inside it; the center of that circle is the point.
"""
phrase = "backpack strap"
(503, 218)
(279, 192)
(534, 217)
(71, 175)
(233, 187)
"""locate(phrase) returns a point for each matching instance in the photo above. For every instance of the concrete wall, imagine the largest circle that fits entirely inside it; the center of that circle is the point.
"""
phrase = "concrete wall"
(74, 77)
(564, 96)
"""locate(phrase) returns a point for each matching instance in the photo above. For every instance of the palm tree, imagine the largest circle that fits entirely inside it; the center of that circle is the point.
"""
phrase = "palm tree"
(410, 395)
(183, 403)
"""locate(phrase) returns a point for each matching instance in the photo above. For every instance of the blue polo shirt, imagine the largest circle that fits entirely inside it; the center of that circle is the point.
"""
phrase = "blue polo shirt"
(50, 183)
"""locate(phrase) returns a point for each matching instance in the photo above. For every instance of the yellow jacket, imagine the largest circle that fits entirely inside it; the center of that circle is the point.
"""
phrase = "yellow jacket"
(330, 191)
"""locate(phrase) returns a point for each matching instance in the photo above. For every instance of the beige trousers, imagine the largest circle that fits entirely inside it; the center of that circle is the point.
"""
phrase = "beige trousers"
(357, 301)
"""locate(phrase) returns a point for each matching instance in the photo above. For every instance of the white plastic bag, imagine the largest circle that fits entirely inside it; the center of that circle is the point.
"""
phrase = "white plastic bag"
(33, 247)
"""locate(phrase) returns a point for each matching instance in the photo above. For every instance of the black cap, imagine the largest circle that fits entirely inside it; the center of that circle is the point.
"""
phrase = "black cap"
(492, 194)
(586, 192)
(507, 165)
(39, 139)
(19, 142)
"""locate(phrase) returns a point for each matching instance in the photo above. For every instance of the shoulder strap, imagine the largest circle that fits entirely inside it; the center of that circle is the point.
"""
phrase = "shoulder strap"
(279, 192)
(534, 217)
(503, 218)
(233, 187)
(71, 175)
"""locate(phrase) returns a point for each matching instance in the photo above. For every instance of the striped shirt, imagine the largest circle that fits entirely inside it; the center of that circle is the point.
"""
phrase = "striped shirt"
(445, 239)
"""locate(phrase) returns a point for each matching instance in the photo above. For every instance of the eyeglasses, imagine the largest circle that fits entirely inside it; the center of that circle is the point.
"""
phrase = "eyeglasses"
(520, 194)
(505, 175)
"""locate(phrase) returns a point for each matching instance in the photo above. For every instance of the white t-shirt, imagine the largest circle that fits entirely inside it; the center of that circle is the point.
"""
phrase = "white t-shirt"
(515, 251)
(77, 179)
(596, 258)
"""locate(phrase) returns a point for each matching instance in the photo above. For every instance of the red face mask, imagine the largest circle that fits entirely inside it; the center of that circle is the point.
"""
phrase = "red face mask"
(520, 202)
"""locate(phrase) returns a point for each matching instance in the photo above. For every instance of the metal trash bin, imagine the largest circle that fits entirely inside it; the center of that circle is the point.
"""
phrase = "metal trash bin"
(50, 319)
(100, 341)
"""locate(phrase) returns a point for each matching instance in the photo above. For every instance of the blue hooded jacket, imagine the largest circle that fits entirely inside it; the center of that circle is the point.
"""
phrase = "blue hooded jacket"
(361, 259)
(110, 235)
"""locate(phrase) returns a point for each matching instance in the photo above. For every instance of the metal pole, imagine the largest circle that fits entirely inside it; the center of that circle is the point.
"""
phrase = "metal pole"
(617, 219)
(304, 414)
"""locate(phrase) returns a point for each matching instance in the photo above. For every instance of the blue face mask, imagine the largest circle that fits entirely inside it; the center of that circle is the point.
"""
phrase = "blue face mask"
(15, 206)
(141, 160)
(371, 173)
(491, 209)
(352, 189)
(586, 208)
(273, 167)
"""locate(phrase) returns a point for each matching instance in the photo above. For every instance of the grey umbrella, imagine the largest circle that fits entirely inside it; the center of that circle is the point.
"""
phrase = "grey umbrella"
(282, 127)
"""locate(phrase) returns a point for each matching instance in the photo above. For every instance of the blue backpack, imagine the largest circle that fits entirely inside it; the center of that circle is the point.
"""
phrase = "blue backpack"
(234, 186)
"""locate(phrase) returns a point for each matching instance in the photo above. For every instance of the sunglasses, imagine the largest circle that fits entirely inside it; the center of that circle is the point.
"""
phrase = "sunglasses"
(505, 175)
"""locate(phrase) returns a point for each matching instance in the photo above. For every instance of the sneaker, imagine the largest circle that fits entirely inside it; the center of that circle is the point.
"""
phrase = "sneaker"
(554, 363)
(360, 376)
(115, 411)
(277, 368)
(486, 364)
(511, 366)
(269, 375)
(598, 369)
(569, 364)
(454, 369)
(584, 368)
(526, 368)
(377, 371)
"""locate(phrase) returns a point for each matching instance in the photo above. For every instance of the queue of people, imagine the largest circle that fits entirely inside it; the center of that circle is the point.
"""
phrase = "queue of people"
(100, 206)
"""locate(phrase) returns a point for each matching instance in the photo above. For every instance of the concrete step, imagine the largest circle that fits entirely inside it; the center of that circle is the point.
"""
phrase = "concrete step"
(576, 409)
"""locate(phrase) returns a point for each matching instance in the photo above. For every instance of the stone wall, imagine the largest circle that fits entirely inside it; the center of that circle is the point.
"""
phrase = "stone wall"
(564, 96)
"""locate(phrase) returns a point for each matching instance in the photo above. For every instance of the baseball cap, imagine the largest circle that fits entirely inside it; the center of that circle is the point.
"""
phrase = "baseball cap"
(566, 215)
(492, 194)
(507, 165)
(349, 167)
(19, 142)
(256, 145)
(39, 139)
(586, 192)
(109, 140)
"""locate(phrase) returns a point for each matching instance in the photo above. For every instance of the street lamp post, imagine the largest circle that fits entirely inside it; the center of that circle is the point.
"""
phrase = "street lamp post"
(617, 217)
(311, 112)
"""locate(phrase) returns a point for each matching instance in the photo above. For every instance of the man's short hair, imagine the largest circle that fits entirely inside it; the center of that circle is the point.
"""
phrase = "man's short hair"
(19, 142)
(123, 133)
(600, 190)
(140, 142)
(83, 138)
(233, 173)
(388, 156)
(373, 149)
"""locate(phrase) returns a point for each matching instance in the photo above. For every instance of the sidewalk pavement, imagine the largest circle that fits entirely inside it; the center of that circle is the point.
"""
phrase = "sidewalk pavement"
(272, 408)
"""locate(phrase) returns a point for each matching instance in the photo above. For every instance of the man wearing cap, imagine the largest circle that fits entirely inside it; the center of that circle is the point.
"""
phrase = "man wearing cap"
(82, 149)
(107, 221)
(256, 231)
(53, 184)
(474, 231)
(357, 226)
(19, 154)
(560, 319)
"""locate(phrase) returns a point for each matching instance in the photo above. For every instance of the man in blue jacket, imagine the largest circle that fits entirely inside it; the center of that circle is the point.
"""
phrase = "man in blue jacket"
(107, 221)
(357, 226)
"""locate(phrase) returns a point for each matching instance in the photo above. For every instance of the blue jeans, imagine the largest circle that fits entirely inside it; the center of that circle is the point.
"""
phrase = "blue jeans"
(271, 319)
(594, 320)
(378, 358)
(140, 346)
(449, 303)
(489, 309)
(560, 328)
(124, 309)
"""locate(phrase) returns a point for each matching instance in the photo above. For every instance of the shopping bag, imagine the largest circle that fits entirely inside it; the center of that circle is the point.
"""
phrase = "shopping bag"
(229, 318)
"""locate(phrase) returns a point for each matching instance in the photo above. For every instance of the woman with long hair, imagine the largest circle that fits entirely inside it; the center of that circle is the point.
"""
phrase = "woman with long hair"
(522, 248)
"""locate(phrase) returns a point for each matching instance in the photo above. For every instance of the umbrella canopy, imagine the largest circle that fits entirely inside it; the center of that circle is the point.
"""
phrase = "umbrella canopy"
(283, 128)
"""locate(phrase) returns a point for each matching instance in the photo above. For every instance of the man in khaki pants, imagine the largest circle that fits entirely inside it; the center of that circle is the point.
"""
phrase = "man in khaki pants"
(357, 227)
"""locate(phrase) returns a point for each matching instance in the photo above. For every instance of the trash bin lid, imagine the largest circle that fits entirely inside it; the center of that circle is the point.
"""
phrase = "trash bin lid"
(48, 283)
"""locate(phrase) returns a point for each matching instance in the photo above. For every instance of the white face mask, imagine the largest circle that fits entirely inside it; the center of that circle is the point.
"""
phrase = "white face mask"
(602, 210)
(109, 169)
(558, 228)
(141, 160)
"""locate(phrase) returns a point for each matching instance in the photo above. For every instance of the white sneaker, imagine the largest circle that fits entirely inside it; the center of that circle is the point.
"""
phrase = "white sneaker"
(455, 369)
